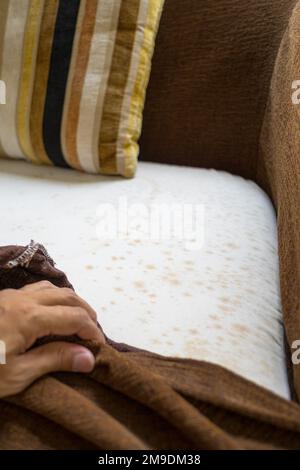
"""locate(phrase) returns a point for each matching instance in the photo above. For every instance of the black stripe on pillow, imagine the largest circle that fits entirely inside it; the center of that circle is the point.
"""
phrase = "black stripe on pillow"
(65, 28)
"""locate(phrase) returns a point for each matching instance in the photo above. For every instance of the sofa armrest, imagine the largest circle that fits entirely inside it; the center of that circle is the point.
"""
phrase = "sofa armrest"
(210, 80)
(278, 171)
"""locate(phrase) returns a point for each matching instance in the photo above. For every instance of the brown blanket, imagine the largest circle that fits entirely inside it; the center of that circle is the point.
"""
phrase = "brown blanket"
(138, 400)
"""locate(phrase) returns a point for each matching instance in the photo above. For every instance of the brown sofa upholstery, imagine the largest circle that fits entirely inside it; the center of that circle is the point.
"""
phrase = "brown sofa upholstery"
(210, 80)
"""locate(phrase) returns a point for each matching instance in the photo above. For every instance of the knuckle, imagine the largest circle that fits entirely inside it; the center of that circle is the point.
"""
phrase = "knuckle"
(69, 291)
(9, 296)
(34, 315)
(81, 314)
(12, 303)
(45, 284)
(93, 315)
(27, 287)
(69, 295)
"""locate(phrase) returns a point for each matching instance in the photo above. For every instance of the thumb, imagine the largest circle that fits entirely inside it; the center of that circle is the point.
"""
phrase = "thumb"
(54, 357)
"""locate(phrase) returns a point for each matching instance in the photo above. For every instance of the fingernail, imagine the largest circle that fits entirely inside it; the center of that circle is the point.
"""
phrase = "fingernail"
(83, 361)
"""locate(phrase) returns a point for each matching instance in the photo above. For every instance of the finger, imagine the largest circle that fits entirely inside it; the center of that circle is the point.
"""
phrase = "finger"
(66, 297)
(37, 286)
(62, 321)
(53, 357)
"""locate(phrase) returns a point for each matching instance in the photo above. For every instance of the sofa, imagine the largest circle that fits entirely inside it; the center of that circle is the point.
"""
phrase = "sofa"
(220, 135)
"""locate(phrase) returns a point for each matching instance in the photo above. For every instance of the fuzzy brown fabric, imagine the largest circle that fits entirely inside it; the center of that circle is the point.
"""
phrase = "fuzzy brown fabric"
(278, 172)
(209, 83)
(138, 400)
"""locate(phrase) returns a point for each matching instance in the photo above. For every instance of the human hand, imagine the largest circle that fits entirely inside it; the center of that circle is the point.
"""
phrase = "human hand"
(39, 310)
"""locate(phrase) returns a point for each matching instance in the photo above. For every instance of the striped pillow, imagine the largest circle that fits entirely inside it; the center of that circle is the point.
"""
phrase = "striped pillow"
(76, 73)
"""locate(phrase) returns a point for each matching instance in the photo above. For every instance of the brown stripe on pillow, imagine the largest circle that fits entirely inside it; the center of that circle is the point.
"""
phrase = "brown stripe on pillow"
(77, 74)
(40, 84)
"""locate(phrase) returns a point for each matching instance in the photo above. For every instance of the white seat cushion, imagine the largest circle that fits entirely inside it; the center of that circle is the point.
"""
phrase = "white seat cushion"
(217, 302)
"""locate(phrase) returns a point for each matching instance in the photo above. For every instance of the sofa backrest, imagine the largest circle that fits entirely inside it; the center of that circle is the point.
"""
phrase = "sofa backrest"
(210, 80)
